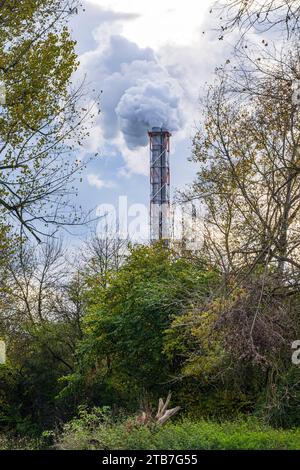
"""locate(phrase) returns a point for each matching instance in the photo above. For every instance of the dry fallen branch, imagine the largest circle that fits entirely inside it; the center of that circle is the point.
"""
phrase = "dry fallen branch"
(163, 413)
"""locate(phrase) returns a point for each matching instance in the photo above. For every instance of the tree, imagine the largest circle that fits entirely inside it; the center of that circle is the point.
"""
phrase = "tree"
(247, 151)
(103, 254)
(40, 320)
(44, 299)
(41, 122)
(262, 16)
(44, 293)
(122, 358)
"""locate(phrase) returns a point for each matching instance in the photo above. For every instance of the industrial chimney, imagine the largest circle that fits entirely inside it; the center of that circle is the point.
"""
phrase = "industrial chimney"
(160, 184)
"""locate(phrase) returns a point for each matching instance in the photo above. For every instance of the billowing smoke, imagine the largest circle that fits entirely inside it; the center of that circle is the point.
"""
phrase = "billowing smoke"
(143, 89)
(149, 104)
(138, 92)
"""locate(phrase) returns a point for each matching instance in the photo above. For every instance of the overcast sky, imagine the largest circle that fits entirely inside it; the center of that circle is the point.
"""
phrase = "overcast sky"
(151, 60)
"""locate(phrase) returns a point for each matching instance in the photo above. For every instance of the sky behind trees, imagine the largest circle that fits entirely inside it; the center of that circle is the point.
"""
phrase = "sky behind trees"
(148, 60)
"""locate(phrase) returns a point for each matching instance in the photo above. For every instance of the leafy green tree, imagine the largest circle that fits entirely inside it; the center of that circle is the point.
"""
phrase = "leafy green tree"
(40, 319)
(122, 358)
(29, 381)
(40, 119)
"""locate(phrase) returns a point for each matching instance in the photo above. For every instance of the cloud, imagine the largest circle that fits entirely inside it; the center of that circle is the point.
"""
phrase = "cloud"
(138, 91)
(84, 26)
(137, 161)
(95, 181)
(143, 88)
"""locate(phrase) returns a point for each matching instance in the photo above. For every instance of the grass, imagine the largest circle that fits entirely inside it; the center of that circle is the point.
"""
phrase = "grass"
(95, 429)
(21, 443)
(182, 435)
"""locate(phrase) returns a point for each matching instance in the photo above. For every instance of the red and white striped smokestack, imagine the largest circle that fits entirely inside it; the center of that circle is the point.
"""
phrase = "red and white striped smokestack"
(160, 184)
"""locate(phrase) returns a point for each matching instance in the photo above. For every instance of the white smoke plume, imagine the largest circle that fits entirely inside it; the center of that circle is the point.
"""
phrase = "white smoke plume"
(150, 103)
(138, 91)
(143, 88)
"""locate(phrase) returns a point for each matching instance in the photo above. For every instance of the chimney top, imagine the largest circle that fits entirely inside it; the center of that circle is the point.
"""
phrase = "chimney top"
(159, 130)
